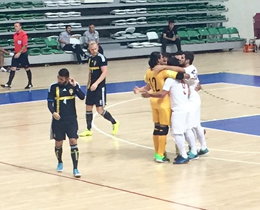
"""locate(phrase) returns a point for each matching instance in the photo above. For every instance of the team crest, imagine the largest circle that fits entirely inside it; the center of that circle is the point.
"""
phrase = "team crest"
(70, 91)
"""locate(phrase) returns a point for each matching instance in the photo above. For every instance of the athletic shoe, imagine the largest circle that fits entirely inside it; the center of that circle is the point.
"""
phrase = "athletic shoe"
(29, 86)
(115, 128)
(6, 86)
(181, 160)
(161, 159)
(60, 167)
(191, 156)
(3, 69)
(86, 133)
(203, 152)
(76, 173)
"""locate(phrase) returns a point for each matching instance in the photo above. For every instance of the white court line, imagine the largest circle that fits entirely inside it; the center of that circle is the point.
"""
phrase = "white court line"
(151, 148)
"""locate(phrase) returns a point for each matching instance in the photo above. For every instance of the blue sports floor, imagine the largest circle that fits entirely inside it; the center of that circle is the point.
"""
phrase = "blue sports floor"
(247, 125)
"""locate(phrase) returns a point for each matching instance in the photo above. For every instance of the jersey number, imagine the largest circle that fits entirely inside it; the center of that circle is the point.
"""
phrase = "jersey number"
(184, 87)
(153, 84)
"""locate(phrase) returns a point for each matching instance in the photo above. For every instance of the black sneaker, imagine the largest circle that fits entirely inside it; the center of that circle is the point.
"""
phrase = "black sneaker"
(29, 86)
(6, 86)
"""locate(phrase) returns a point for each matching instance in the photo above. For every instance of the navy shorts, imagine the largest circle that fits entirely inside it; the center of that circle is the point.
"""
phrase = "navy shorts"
(97, 97)
(61, 128)
(21, 61)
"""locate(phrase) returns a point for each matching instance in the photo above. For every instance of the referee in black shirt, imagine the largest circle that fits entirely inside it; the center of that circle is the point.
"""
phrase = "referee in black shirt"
(96, 92)
(170, 36)
(61, 103)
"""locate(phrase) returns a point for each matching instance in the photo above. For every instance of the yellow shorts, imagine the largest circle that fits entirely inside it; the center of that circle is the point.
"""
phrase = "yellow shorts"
(162, 116)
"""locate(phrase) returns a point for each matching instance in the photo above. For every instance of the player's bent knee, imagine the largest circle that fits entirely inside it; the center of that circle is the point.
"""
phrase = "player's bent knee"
(164, 130)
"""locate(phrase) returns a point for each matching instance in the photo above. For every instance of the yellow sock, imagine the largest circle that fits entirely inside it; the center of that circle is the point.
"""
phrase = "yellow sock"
(156, 143)
(162, 145)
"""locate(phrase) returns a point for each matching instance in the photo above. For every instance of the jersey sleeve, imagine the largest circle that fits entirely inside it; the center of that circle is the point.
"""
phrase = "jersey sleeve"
(25, 39)
(169, 74)
(168, 83)
(103, 61)
(146, 77)
(51, 94)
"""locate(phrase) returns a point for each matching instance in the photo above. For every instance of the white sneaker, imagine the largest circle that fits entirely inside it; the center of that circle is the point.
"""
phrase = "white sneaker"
(3, 69)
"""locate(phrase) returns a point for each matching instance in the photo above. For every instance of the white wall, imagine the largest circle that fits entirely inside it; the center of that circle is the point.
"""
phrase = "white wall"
(240, 14)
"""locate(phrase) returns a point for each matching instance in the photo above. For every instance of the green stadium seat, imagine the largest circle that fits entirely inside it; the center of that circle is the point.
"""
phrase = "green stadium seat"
(202, 18)
(2, 17)
(4, 43)
(27, 4)
(192, 8)
(162, 19)
(38, 4)
(34, 51)
(40, 27)
(234, 31)
(172, 10)
(38, 16)
(57, 51)
(46, 51)
(212, 8)
(51, 42)
(151, 1)
(213, 31)
(151, 20)
(202, 8)
(181, 19)
(3, 6)
(30, 41)
(151, 10)
(28, 27)
(182, 9)
(193, 34)
(181, 28)
(11, 41)
(27, 16)
(14, 17)
(161, 1)
(14, 5)
(39, 40)
(172, 0)
(221, 8)
(183, 35)
(162, 10)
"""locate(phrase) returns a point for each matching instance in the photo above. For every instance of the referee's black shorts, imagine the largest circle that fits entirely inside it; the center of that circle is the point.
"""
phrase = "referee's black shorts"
(61, 128)
(21, 61)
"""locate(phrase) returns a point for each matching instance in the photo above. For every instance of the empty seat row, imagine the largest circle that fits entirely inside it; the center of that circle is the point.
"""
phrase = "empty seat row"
(208, 35)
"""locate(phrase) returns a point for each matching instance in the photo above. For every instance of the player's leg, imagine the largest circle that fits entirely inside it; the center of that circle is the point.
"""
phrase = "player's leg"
(156, 131)
(58, 134)
(178, 126)
(190, 137)
(72, 130)
(25, 63)
(164, 120)
(2, 61)
(14, 65)
(90, 101)
(100, 103)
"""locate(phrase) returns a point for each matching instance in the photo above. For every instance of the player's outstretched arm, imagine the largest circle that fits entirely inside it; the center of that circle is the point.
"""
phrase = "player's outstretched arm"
(141, 89)
(159, 68)
(160, 94)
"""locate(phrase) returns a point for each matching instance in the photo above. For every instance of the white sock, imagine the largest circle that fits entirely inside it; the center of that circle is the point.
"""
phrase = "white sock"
(201, 137)
(180, 141)
(190, 138)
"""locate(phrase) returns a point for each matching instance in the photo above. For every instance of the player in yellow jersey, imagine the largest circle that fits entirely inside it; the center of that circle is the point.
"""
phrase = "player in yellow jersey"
(161, 107)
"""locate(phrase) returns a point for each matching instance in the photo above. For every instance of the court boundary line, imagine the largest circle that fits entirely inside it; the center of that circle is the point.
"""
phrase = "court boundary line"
(102, 185)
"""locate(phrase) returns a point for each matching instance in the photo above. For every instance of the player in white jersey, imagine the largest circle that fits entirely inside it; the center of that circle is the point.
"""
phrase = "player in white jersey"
(194, 99)
(179, 93)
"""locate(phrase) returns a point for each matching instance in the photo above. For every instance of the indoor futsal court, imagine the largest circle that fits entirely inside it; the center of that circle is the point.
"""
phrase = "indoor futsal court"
(118, 172)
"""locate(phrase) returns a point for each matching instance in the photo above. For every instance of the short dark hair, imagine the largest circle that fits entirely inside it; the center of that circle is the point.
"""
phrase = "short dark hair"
(166, 54)
(154, 57)
(170, 21)
(173, 62)
(64, 72)
(189, 56)
(91, 24)
(67, 26)
(18, 23)
(178, 53)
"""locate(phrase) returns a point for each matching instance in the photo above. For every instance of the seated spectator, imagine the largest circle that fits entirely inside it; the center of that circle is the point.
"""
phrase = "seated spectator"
(2, 52)
(170, 36)
(92, 35)
(64, 40)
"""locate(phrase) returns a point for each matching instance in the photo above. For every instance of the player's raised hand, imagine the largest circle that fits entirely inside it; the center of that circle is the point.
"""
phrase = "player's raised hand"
(72, 82)
(136, 90)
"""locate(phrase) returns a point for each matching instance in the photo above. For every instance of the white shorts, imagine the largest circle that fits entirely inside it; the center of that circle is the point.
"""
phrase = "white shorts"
(194, 115)
(179, 122)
